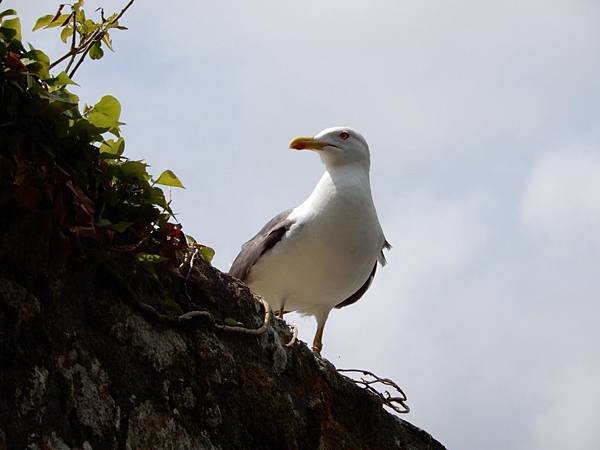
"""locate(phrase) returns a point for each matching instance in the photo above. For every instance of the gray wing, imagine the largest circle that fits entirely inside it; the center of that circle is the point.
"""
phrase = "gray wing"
(263, 241)
(361, 291)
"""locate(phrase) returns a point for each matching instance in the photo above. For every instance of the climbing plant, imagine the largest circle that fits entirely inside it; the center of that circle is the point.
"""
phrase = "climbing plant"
(64, 165)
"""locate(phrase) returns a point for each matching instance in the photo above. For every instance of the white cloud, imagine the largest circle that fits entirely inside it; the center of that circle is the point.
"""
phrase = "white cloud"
(562, 197)
(434, 237)
(567, 416)
(456, 98)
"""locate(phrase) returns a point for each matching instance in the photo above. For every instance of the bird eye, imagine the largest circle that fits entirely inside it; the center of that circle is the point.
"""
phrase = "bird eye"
(344, 135)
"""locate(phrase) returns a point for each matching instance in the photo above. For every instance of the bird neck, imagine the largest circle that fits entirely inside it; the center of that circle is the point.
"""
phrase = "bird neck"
(342, 181)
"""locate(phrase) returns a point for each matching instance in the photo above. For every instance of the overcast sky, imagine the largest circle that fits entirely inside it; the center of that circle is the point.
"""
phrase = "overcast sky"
(483, 123)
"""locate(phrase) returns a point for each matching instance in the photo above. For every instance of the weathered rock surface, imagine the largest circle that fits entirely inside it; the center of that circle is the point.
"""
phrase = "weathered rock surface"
(83, 367)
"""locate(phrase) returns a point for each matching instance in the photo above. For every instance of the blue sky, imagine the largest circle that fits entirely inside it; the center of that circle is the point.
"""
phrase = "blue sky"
(482, 119)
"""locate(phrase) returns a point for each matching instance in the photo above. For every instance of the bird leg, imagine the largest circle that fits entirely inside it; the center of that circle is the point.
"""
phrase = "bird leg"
(281, 311)
(317, 345)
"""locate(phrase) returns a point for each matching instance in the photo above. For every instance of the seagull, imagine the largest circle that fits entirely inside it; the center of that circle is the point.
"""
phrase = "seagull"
(323, 254)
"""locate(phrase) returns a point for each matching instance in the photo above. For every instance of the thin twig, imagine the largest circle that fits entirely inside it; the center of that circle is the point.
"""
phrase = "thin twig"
(151, 310)
(233, 329)
(253, 331)
(128, 248)
(122, 11)
(189, 272)
(97, 36)
(61, 59)
(207, 315)
(85, 46)
(72, 41)
(75, 51)
(84, 54)
(396, 403)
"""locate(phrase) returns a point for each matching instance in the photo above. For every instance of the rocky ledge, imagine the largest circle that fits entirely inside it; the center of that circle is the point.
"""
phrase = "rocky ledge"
(85, 365)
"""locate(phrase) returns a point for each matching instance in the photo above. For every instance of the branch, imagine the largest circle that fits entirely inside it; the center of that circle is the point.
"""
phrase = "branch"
(191, 257)
(152, 311)
(233, 329)
(84, 47)
(396, 403)
(72, 41)
(122, 11)
(84, 54)
(75, 51)
(207, 315)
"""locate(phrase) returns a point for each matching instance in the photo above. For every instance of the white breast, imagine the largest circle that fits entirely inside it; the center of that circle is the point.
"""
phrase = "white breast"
(329, 252)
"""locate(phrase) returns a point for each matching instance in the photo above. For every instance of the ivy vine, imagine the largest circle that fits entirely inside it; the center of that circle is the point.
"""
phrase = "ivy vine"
(64, 165)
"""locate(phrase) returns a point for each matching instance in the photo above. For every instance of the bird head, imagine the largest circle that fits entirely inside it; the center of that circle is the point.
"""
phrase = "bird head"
(337, 146)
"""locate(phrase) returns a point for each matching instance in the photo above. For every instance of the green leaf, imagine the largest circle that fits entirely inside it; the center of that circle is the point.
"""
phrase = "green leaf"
(207, 253)
(61, 96)
(113, 147)
(13, 24)
(79, 14)
(110, 197)
(62, 79)
(96, 51)
(37, 55)
(105, 114)
(134, 169)
(232, 322)
(37, 62)
(66, 33)
(50, 21)
(157, 197)
(8, 33)
(77, 5)
(88, 26)
(42, 22)
(58, 20)
(109, 106)
(121, 226)
(107, 41)
(149, 258)
(8, 12)
(103, 223)
(168, 178)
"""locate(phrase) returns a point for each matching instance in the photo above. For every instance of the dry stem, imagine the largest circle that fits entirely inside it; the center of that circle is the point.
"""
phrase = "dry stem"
(396, 403)
(233, 329)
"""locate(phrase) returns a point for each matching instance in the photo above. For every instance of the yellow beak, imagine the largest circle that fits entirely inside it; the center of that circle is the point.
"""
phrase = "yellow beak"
(307, 143)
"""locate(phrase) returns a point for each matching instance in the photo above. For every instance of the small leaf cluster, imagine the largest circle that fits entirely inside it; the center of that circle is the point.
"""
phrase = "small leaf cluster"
(64, 167)
(85, 36)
